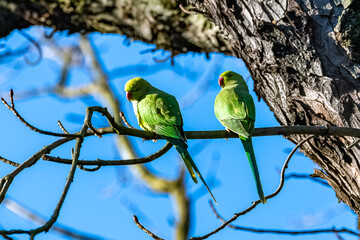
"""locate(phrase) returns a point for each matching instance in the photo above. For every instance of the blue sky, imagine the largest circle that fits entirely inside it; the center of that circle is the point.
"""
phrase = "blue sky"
(103, 202)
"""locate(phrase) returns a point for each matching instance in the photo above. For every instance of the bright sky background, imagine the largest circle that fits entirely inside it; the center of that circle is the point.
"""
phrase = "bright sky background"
(103, 202)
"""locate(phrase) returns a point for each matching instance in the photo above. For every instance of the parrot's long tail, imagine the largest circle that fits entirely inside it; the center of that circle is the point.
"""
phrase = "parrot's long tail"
(251, 157)
(190, 165)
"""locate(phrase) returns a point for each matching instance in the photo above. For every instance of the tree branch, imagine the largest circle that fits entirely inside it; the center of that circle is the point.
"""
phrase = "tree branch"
(306, 176)
(53, 218)
(12, 108)
(136, 220)
(27, 214)
(254, 204)
(100, 162)
(9, 162)
(284, 232)
(6, 180)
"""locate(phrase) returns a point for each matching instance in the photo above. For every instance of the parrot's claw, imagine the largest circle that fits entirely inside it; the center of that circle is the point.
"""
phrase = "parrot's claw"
(229, 131)
(154, 140)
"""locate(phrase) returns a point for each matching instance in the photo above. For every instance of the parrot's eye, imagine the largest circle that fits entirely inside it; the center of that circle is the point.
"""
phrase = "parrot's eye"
(221, 81)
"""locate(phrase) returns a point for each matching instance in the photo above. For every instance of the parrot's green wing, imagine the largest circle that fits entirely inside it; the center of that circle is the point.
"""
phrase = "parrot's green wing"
(160, 112)
(235, 109)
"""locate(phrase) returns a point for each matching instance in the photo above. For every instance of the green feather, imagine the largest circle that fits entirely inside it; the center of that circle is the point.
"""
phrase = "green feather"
(189, 163)
(159, 112)
(247, 143)
(235, 109)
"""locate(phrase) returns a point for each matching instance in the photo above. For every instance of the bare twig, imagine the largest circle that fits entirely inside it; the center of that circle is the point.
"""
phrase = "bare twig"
(254, 204)
(284, 232)
(7, 180)
(37, 46)
(12, 108)
(6, 237)
(162, 60)
(89, 169)
(51, 34)
(62, 128)
(122, 115)
(104, 112)
(338, 236)
(69, 180)
(27, 214)
(9, 162)
(53, 218)
(99, 162)
(136, 220)
(306, 176)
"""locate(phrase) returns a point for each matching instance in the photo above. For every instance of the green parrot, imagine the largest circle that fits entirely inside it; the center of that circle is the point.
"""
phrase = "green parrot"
(159, 112)
(235, 109)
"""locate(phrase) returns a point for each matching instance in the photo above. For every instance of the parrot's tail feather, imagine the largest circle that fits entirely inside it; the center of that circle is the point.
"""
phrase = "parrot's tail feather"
(247, 143)
(191, 167)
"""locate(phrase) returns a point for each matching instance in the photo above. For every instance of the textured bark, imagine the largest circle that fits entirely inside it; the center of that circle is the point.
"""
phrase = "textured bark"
(160, 22)
(302, 54)
(304, 59)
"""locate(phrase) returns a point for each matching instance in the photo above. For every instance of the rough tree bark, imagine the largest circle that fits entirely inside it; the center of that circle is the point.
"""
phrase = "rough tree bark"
(304, 56)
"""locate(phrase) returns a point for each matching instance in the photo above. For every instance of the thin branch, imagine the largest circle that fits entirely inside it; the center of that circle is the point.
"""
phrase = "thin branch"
(269, 131)
(62, 127)
(122, 115)
(254, 204)
(75, 156)
(285, 232)
(12, 108)
(306, 176)
(37, 46)
(99, 162)
(136, 220)
(89, 169)
(7, 180)
(338, 236)
(27, 214)
(6, 237)
(9, 162)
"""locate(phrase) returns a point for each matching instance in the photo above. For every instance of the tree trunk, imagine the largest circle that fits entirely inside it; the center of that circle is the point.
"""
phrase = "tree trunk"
(302, 54)
(304, 59)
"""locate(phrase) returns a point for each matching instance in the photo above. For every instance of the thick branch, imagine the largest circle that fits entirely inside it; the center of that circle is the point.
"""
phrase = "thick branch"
(162, 23)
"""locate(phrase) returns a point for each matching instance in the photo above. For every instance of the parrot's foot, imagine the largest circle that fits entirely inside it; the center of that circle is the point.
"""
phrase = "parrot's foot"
(154, 140)
(229, 131)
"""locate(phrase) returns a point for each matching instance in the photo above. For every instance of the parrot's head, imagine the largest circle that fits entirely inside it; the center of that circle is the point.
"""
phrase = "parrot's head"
(137, 88)
(230, 77)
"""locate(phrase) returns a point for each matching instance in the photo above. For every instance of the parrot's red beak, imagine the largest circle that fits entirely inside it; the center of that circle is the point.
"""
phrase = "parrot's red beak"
(221, 81)
(129, 96)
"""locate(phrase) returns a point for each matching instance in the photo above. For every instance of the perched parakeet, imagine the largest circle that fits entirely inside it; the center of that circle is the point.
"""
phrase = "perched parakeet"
(235, 109)
(159, 112)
